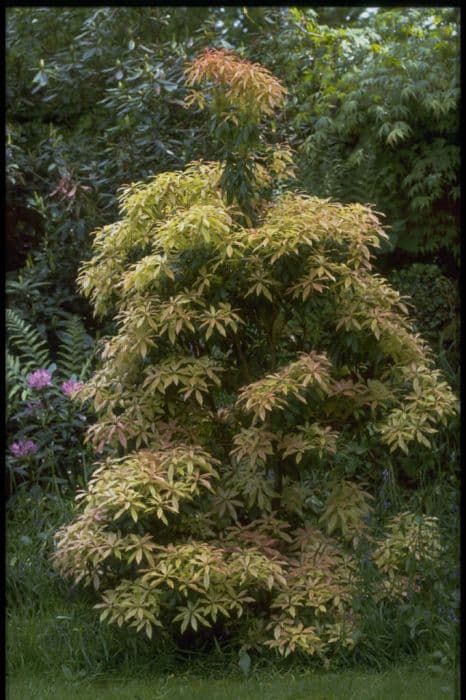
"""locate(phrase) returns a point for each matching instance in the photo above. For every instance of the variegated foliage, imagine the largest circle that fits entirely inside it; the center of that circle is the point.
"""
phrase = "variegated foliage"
(242, 359)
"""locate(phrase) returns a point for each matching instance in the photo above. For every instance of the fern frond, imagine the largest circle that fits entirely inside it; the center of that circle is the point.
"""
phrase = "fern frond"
(15, 382)
(14, 375)
(25, 341)
(76, 351)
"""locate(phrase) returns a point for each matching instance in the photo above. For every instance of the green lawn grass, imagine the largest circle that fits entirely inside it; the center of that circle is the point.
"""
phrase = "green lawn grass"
(401, 684)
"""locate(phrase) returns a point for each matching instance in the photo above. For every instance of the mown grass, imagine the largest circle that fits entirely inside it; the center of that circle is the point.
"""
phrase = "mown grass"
(402, 684)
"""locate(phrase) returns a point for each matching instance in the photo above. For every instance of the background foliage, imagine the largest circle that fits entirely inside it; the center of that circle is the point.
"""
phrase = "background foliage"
(373, 108)
(376, 108)
(95, 101)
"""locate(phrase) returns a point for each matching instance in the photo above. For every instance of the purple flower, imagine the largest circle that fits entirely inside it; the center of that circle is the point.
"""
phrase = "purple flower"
(23, 448)
(39, 379)
(70, 387)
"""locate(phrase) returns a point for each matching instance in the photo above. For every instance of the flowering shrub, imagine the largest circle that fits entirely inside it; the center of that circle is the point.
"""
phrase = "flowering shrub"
(45, 426)
(49, 433)
(246, 358)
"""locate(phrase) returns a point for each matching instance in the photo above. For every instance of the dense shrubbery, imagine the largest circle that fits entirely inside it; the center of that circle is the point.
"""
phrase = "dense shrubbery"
(376, 112)
(360, 135)
(248, 355)
(436, 310)
(97, 101)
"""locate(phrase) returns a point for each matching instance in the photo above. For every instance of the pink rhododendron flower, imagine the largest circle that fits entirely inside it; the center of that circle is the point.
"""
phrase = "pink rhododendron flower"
(22, 448)
(70, 387)
(39, 379)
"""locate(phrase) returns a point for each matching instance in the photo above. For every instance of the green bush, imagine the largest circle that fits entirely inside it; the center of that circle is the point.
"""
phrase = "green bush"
(254, 345)
(375, 113)
(436, 311)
